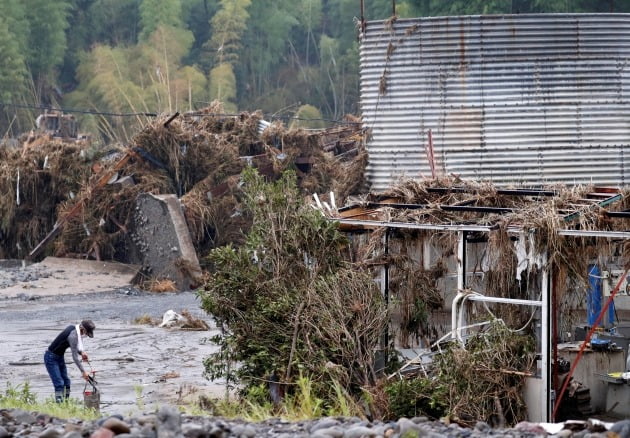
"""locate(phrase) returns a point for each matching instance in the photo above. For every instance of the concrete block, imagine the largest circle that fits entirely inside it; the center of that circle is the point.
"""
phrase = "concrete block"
(162, 241)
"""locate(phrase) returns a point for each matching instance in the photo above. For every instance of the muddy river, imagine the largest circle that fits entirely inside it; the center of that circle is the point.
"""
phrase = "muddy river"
(138, 366)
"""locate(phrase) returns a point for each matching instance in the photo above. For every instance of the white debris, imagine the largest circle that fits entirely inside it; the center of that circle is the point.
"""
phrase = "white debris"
(170, 318)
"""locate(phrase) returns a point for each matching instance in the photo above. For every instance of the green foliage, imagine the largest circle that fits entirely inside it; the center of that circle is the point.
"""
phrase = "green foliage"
(223, 86)
(287, 302)
(228, 25)
(479, 382)
(21, 397)
(47, 21)
(307, 116)
(12, 67)
(486, 374)
(113, 22)
(20, 394)
(302, 404)
(282, 53)
(159, 13)
(416, 397)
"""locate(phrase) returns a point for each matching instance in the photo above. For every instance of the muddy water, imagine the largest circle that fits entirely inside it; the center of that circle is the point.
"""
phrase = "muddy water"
(138, 367)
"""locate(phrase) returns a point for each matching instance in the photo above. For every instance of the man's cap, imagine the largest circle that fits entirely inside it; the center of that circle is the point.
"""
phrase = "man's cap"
(89, 327)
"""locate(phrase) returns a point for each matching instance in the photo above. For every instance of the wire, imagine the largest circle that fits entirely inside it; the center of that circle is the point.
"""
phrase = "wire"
(271, 117)
(71, 110)
(149, 114)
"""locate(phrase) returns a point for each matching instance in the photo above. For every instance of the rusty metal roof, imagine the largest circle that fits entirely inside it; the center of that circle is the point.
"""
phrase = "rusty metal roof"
(515, 99)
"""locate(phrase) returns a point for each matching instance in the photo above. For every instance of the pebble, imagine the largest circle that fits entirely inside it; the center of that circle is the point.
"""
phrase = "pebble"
(51, 432)
(116, 425)
(168, 422)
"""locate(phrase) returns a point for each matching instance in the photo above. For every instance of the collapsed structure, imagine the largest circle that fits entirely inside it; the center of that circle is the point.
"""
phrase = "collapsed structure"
(71, 200)
(453, 255)
(456, 256)
(522, 102)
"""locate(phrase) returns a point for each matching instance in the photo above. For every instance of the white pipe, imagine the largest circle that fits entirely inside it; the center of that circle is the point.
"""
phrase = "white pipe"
(454, 313)
(544, 335)
(317, 201)
(518, 302)
(461, 276)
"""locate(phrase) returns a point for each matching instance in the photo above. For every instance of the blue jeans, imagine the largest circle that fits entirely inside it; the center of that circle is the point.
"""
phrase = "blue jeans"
(56, 367)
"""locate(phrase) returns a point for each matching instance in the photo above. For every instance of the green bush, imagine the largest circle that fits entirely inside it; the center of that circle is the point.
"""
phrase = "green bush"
(416, 397)
(287, 302)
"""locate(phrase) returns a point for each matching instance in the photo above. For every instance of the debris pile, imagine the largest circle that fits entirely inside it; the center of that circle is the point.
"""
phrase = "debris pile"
(196, 156)
(34, 181)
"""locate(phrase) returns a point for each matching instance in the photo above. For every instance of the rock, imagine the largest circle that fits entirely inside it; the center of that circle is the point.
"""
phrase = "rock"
(4, 433)
(73, 434)
(23, 417)
(405, 426)
(533, 428)
(147, 419)
(169, 422)
(51, 432)
(323, 423)
(244, 430)
(101, 432)
(482, 426)
(328, 432)
(359, 432)
(217, 432)
(70, 427)
(194, 431)
(148, 431)
(116, 425)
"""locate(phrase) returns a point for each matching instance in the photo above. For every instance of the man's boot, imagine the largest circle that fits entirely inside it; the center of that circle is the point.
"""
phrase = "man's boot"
(59, 396)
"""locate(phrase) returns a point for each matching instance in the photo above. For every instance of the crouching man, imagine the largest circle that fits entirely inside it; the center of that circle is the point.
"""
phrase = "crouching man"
(54, 356)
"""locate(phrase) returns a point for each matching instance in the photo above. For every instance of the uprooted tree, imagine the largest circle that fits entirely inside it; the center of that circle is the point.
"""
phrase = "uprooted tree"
(288, 302)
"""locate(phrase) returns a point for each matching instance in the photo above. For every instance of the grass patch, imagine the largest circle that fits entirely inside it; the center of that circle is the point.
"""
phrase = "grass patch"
(21, 397)
(302, 404)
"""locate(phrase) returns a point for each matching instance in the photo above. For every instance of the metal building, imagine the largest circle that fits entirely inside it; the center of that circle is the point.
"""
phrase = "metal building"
(515, 99)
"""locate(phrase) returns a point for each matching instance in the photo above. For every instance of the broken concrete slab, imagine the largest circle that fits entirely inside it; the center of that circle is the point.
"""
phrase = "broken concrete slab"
(162, 242)
(62, 276)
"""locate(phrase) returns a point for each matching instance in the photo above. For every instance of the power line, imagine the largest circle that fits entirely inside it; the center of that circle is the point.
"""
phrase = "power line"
(148, 114)
(71, 110)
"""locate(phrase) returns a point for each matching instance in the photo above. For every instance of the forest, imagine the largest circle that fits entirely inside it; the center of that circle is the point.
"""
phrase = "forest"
(117, 63)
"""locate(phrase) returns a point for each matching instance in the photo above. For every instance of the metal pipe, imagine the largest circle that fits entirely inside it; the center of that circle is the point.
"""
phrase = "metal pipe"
(482, 228)
(544, 335)
(461, 271)
(554, 327)
(515, 301)
(386, 283)
(454, 314)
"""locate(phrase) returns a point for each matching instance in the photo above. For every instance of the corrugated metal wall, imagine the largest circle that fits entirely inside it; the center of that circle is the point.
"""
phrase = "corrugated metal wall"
(517, 99)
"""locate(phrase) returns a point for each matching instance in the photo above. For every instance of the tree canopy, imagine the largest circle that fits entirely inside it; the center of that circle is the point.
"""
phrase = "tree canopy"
(279, 56)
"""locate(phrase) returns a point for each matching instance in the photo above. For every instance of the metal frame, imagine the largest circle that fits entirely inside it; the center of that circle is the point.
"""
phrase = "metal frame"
(598, 199)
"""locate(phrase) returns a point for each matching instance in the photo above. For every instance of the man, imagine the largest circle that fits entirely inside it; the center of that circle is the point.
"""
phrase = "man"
(54, 356)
